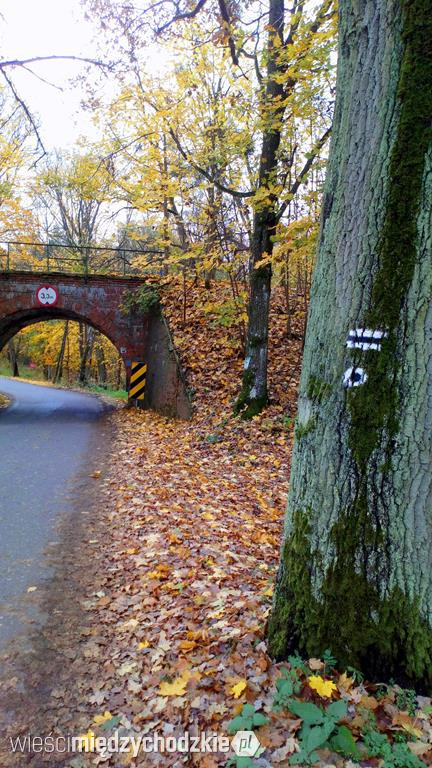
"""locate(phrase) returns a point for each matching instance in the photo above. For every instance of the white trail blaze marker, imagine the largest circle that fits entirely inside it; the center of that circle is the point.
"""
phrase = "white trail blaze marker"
(47, 295)
(365, 338)
(354, 377)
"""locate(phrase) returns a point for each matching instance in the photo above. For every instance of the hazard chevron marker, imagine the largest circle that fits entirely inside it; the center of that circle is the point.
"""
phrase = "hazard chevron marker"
(137, 380)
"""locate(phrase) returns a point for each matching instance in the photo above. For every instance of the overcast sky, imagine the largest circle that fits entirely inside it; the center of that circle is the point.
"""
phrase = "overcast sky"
(44, 27)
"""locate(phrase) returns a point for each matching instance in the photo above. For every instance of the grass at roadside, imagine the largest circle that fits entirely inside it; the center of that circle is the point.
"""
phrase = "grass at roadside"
(121, 394)
(25, 372)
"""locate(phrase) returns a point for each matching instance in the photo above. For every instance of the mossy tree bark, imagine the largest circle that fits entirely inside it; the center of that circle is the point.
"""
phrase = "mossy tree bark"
(356, 563)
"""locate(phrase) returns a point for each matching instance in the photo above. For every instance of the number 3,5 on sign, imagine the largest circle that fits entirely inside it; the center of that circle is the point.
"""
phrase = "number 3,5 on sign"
(47, 295)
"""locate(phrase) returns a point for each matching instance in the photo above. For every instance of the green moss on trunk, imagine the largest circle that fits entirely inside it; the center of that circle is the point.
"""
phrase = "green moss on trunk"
(246, 405)
(317, 389)
(385, 637)
(294, 619)
(302, 430)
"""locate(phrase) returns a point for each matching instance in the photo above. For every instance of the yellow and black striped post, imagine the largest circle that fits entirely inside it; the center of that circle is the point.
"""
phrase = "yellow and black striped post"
(137, 380)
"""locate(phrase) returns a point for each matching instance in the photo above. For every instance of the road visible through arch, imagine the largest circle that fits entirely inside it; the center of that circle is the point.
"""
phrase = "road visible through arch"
(47, 442)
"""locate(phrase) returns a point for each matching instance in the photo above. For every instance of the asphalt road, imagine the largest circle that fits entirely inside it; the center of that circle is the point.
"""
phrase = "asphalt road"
(46, 439)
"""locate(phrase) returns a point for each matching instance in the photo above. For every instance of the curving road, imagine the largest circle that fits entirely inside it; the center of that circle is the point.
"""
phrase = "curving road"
(47, 438)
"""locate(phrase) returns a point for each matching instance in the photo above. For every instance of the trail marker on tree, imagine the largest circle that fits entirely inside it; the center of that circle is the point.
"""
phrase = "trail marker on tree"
(365, 338)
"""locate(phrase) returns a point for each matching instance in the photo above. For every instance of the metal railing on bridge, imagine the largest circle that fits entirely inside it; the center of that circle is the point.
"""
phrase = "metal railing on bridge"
(84, 260)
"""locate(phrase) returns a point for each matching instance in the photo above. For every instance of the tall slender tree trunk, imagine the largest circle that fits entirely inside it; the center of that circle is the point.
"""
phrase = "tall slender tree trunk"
(100, 361)
(119, 373)
(83, 350)
(59, 366)
(356, 564)
(13, 358)
(165, 210)
(86, 339)
(253, 396)
(212, 236)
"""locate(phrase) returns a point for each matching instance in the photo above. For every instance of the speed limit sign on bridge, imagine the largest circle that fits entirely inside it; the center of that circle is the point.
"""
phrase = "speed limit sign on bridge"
(47, 295)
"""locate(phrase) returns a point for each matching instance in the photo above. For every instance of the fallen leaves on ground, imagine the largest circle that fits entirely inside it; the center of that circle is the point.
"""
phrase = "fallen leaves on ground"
(183, 559)
(191, 556)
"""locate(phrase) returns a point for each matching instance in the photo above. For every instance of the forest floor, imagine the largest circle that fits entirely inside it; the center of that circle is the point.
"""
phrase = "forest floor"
(158, 624)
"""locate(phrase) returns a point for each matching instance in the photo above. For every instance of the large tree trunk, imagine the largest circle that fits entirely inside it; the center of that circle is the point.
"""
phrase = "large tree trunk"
(356, 565)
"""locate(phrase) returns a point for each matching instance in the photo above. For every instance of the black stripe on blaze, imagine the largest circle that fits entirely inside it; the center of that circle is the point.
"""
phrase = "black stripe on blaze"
(364, 339)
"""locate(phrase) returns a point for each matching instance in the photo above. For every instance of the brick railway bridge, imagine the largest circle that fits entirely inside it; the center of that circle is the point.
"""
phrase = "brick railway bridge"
(28, 297)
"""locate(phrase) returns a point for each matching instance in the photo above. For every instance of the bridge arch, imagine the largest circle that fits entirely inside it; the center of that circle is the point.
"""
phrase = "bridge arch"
(21, 319)
(84, 355)
(98, 301)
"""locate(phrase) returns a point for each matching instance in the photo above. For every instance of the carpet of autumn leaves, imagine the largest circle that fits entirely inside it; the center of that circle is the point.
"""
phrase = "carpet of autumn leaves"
(212, 356)
(156, 614)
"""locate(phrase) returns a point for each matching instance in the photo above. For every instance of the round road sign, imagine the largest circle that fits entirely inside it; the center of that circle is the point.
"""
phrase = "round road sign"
(47, 295)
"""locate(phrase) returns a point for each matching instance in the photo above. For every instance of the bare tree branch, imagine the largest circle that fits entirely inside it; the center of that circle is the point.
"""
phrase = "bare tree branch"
(22, 62)
(182, 16)
(206, 174)
(304, 172)
(42, 79)
(254, 58)
(27, 113)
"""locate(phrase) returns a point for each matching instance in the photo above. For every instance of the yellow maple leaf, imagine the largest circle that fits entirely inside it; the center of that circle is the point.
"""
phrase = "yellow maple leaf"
(86, 740)
(324, 688)
(238, 688)
(176, 688)
(144, 644)
(99, 719)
